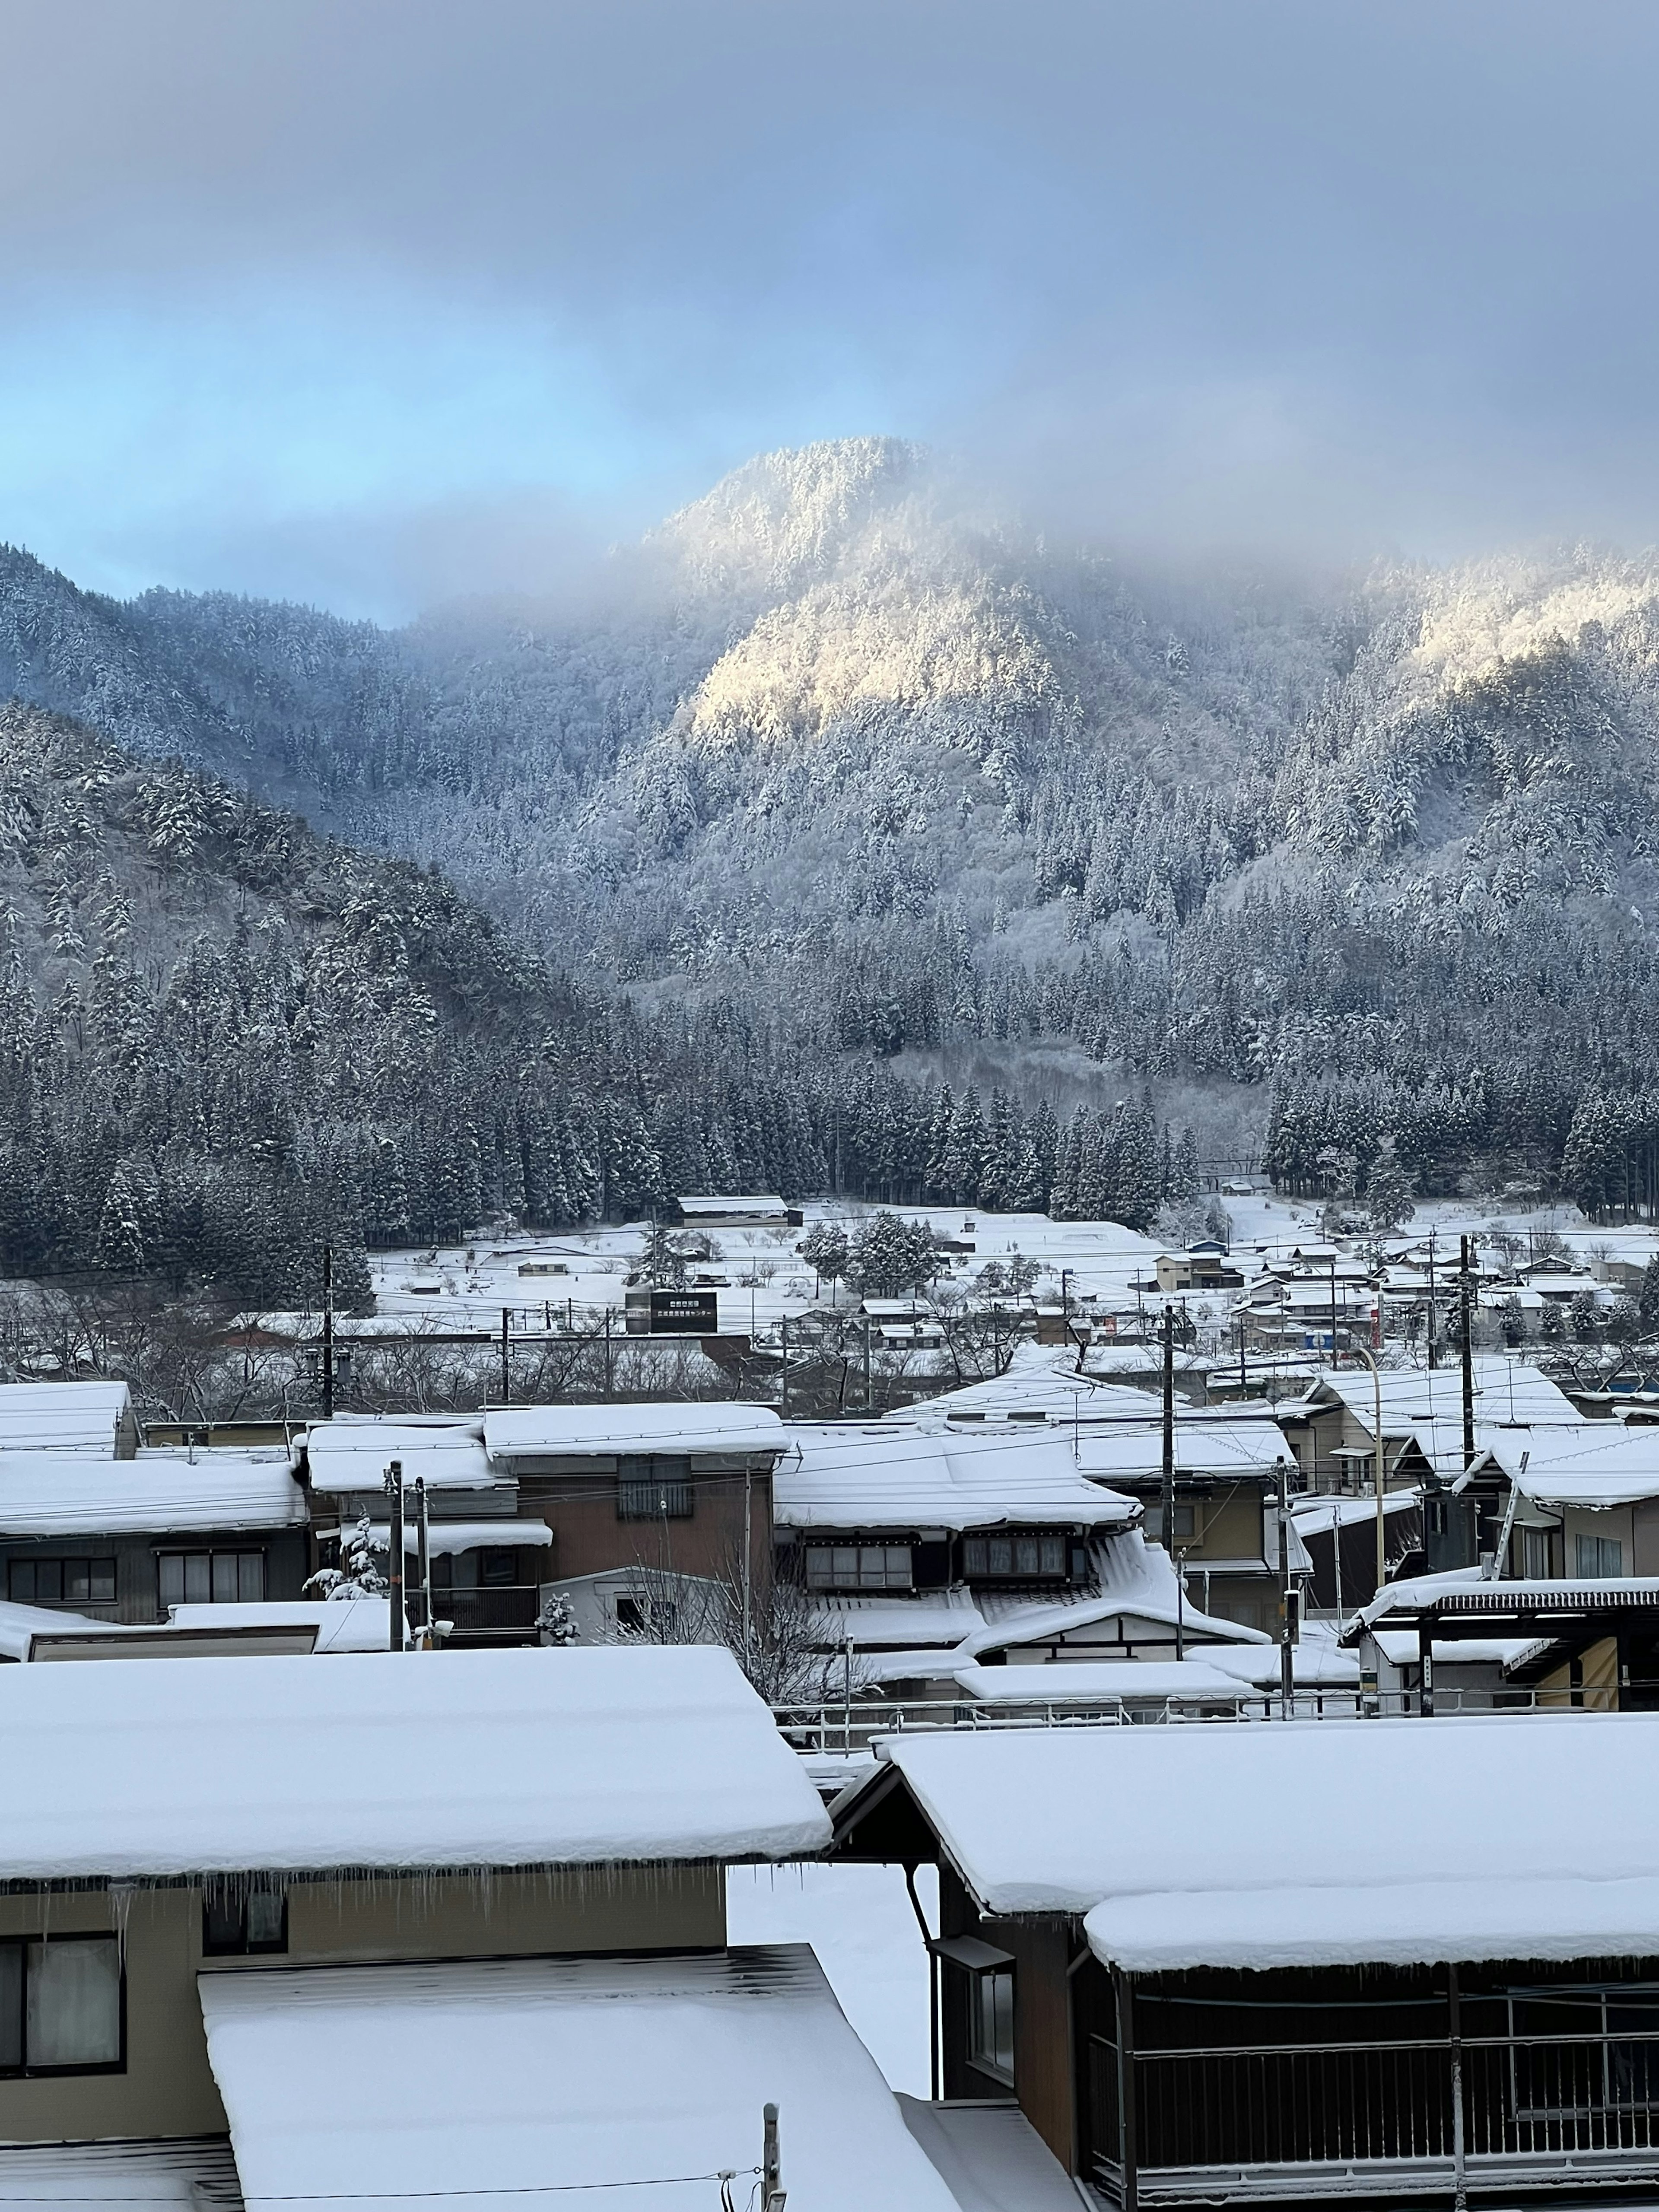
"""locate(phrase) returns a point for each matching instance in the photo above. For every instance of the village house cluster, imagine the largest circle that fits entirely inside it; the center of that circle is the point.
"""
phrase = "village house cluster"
(1287, 1762)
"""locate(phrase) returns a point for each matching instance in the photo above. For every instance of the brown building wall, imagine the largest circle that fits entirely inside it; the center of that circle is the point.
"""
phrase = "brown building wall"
(590, 1538)
(1041, 1949)
(166, 2087)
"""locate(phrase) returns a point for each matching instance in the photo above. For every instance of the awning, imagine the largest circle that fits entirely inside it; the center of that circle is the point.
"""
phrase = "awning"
(457, 2087)
(446, 1536)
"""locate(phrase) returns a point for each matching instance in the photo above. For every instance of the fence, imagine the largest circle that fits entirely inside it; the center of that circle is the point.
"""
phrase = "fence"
(842, 1725)
(1406, 2116)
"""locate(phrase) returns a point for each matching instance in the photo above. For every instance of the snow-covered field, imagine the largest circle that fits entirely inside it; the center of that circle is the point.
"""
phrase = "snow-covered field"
(760, 1279)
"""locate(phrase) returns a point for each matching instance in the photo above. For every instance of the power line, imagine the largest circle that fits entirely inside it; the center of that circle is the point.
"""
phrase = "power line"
(405, 2196)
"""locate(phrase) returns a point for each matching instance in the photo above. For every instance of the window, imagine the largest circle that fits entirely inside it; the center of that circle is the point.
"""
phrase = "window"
(653, 1500)
(1600, 1558)
(1014, 1558)
(494, 1566)
(210, 1577)
(859, 1567)
(1535, 1555)
(1186, 1524)
(991, 2022)
(61, 1582)
(238, 1921)
(61, 2005)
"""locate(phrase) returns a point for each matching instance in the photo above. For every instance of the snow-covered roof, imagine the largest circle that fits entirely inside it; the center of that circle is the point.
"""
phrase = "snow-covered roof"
(1502, 1599)
(1041, 1379)
(1591, 1463)
(1172, 1841)
(1505, 1391)
(991, 2155)
(1136, 1582)
(444, 1537)
(942, 1617)
(483, 1758)
(354, 1454)
(876, 1477)
(765, 1208)
(1097, 1683)
(515, 1431)
(347, 1624)
(64, 1416)
(1249, 1446)
(73, 1494)
(464, 2083)
(194, 2176)
(20, 1623)
(1317, 1517)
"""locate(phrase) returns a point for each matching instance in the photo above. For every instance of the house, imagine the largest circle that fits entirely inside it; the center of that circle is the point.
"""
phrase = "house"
(1333, 1429)
(489, 1559)
(285, 1930)
(1137, 1608)
(869, 1510)
(1203, 1267)
(1339, 1535)
(1463, 1640)
(1300, 1312)
(125, 1538)
(94, 1418)
(1227, 1482)
(1276, 1964)
(632, 1490)
(732, 1212)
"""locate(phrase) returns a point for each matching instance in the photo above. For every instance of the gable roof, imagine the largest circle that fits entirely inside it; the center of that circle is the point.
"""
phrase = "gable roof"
(513, 1432)
(484, 1758)
(877, 1477)
(46, 1493)
(1172, 1841)
(77, 1417)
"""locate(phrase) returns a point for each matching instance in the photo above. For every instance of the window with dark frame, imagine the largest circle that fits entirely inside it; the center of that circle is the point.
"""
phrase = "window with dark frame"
(238, 1921)
(1014, 1558)
(860, 1567)
(63, 2005)
(991, 2022)
(653, 1486)
(61, 1582)
(210, 1577)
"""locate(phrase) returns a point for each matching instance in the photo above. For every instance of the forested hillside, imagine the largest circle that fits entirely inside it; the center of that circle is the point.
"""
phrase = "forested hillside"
(835, 768)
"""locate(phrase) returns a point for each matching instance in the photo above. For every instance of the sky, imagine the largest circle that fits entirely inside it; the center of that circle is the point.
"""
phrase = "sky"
(376, 303)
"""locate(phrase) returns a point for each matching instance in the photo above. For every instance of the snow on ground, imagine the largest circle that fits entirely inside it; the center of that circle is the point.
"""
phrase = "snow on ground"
(760, 1279)
(859, 1921)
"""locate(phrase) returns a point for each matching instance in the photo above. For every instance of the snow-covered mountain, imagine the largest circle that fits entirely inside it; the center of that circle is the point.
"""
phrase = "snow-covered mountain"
(837, 747)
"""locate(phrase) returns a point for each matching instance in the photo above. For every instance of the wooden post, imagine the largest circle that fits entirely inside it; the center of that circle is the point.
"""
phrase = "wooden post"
(1425, 1665)
(1128, 2148)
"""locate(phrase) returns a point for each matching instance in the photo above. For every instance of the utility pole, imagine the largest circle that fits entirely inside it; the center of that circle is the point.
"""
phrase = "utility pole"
(1432, 1361)
(868, 1402)
(783, 1371)
(1466, 1346)
(506, 1364)
(328, 1331)
(423, 1559)
(607, 1352)
(1287, 1601)
(1167, 1492)
(1333, 1309)
(397, 1624)
(748, 1564)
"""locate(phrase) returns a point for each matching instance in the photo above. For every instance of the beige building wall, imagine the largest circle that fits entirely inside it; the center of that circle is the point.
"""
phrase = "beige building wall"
(166, 2087)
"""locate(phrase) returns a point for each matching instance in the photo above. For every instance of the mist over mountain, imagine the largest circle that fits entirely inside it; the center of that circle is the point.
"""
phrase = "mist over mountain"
(841, 757)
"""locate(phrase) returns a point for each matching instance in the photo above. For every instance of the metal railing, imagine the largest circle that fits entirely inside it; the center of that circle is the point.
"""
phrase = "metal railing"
(833, 1725)
(473, 1612)
(1408, 2116)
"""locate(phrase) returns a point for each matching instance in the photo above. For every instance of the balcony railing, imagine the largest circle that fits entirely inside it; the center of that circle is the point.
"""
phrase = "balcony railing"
(1399, 2118)
(484, 1611)
(836, 1725)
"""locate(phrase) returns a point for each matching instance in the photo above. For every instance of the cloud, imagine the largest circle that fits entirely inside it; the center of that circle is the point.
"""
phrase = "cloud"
(298, 285)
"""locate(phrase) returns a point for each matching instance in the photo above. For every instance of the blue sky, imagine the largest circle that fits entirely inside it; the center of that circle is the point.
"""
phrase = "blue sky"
(376, 302)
